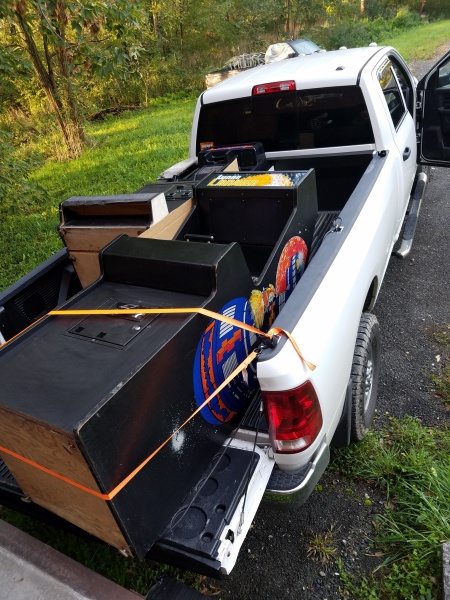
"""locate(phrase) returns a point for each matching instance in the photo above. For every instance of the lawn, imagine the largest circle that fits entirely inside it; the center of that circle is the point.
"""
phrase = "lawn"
(421, 43)
(124, 153)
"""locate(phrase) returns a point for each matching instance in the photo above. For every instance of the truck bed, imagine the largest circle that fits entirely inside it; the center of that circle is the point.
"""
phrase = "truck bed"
(191, 548)
(15, 299)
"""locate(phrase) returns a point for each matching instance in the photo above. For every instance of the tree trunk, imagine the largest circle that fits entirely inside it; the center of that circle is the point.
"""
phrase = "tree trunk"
(49, 66)
(46, 84)
(288, 18)
(154, 18)
(77, 126)
(77, 131)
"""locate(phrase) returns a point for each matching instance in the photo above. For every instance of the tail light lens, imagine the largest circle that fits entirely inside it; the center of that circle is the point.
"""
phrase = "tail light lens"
(273, 88)
(294, 418)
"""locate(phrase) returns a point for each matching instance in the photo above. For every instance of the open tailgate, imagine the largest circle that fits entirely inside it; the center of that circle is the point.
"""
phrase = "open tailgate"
(206, 534)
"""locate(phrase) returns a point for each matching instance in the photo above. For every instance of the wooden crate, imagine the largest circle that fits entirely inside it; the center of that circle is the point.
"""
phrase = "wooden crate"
(89, 223)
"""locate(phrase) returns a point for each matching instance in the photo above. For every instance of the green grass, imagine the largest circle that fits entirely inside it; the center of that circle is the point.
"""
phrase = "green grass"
(422, 42)
(128, 151)
(409, 462)
(125, 153)
(322, 546)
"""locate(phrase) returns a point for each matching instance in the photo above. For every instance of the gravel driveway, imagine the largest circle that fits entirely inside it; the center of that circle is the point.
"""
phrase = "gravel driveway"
(413, 304)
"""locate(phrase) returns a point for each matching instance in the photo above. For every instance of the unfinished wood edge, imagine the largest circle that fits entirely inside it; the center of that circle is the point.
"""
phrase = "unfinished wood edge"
(167, 228)
(47, 446)
(87, 512)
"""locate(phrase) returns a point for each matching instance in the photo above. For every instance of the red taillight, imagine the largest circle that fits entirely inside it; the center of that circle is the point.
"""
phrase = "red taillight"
(294, 418)
(274, 87)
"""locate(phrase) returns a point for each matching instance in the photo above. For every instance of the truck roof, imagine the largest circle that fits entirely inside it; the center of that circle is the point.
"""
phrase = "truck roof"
(324, 69)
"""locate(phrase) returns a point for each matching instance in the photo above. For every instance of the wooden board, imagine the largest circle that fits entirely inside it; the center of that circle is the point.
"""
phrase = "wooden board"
(87, 266)
(58, 452)
(168, 227)
(93, 239)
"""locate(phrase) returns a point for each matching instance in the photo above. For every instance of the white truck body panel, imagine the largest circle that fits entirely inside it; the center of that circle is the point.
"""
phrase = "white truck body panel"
(326, 332)
(244, 514)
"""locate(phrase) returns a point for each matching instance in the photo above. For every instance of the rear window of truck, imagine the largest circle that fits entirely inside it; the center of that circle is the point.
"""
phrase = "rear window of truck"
(291, 120)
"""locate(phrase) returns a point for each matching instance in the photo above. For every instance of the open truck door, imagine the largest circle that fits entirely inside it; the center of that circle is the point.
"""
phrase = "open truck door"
(433, 115)
(433, 140)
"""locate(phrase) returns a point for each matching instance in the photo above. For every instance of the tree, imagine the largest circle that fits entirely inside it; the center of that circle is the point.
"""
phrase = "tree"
(64, 37)
(302, 15)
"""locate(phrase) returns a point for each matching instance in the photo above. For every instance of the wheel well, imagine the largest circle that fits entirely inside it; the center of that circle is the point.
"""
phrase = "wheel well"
(369, 302)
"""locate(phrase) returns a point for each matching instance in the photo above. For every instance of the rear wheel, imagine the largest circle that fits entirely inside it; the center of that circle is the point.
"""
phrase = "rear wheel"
(365, 375)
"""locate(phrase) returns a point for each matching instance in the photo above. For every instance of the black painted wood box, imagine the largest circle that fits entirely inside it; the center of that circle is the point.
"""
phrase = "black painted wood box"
(90, 397)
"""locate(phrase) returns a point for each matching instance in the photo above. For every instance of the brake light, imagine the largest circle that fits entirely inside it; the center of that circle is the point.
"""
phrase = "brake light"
(294, 418)
(273, 88)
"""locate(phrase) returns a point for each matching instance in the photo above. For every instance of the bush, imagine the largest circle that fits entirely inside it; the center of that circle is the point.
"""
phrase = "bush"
(16, 192)
(405, 19)
(365, 31)
(351, 35)
(437, 9)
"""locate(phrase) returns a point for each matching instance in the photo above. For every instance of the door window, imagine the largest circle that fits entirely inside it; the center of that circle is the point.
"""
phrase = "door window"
(406, 87)
(435, 140)
(444, 76)
(392, 93)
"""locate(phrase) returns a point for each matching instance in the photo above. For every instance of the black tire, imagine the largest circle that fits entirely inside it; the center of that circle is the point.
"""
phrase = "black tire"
(365, 375)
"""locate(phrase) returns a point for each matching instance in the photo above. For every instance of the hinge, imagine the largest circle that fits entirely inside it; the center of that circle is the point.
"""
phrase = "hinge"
(419, 101)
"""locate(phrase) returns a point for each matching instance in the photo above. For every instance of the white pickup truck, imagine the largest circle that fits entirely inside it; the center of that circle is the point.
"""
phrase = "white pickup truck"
(302, 180)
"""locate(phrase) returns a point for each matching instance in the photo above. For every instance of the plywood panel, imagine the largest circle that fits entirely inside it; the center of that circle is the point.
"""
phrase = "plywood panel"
(87, 266)
(168, 227)
(76, 506)
(94, 238)
(52, 449)
(56, 451)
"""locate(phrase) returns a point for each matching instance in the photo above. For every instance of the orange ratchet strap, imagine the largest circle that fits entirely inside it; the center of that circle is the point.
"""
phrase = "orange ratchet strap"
(201, 311)
(129, 477)
(125, 311)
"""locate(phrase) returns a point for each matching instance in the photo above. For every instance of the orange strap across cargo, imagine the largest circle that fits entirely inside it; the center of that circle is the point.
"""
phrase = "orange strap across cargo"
(243, 365)
(200, 311)
(23, 331)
